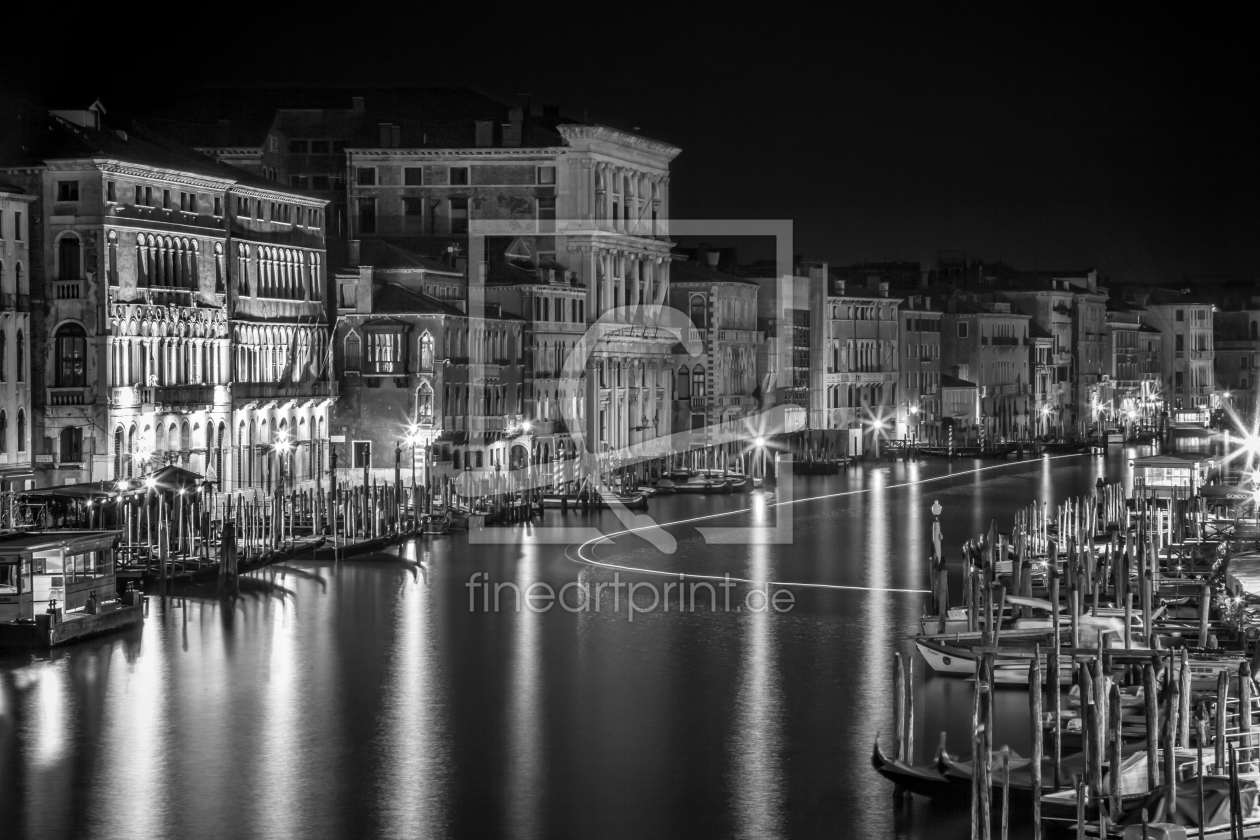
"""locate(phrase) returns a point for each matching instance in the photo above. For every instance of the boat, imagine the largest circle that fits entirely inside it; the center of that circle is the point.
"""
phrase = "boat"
(435, 525)
(694, 483)
(1114, 437)
(1066, 447)
(634, 501)
(736, 480)
(655, 489)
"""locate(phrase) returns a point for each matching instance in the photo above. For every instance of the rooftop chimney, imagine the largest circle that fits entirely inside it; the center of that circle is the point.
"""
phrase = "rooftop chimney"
(883, 288)
(484, 130)
(357, 104)
(713, 257)
(513, 129)
(354, 252)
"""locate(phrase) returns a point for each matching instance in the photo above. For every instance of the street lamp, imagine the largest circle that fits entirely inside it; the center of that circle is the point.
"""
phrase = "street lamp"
(282, 447)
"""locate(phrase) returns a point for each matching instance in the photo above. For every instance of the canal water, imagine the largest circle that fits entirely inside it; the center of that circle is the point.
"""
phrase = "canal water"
(391, 699)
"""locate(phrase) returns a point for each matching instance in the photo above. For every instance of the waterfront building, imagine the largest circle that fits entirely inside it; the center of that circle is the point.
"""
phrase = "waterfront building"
(1072, 308)
(960, 407)
(1049, 393)
(986, 342)
(854, 359)
(16, 472)
(1184, 322)
(1136, 386)
(1236, 340)
(408, 358)
(591, 199)
(179, 301)
(718, 390)
(919, 412)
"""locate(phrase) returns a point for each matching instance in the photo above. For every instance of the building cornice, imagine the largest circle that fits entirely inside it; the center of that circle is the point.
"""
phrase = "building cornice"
(510, 153)
(604, 134)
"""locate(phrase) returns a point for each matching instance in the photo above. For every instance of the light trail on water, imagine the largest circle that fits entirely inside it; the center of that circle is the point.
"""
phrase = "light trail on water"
(591, 561)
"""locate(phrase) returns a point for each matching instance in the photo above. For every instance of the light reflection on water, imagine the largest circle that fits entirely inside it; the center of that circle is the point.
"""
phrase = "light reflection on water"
(365, 699)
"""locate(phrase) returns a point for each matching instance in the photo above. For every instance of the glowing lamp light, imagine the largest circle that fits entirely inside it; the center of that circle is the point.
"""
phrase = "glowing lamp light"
(525, 427)
(124, 484)
(1251, 443)
(151, 482)
(760, 441)
(914, 409)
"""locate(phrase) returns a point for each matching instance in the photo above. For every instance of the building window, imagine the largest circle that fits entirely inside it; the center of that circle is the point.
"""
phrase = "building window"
(67, 190)
(459, 215)
(546, 175)
(458, 176)
(697, 381)
(684, 384)
(111, 191)
(352, 352)
(298, 147)
(546, 215)
(385, 352)
(426, 352)
(72, 443)
(697, 311)
(413, 214)
(1181, 314)
(4, 431)
(424, 404)
(21, 357)
(68, 257)
(962, 329)
(1181, 343)
(71, 351)
(166, 199)
(365, 176)
(413, 176)
(367, 215)
(17, 226)
(4, 356)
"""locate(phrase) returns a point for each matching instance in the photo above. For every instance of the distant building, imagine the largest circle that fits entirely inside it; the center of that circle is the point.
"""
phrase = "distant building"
(408, 363)
(719, 389)
(1184, 322)
(16, 465)
(854, 359)
(919, 413)
(1236, 337)
(1071, 307)
(1135, 350)
(986, 342)
(960, 406)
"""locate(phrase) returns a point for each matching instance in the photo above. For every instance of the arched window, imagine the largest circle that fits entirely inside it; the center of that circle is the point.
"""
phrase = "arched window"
(68, 257)
(72, 445)
(424, 404)
(697, 311)
(697, 381)
(118, 451)
(684, 384)
(21, 430)
(426, 352)
(21, 357)
(71, 350)
(352, 352)
(17, 277)
(4, 431)
(1255, 330)
(4, 357)
(131, 448)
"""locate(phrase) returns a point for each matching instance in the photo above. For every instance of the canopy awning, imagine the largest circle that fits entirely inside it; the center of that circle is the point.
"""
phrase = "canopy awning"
(80, 492)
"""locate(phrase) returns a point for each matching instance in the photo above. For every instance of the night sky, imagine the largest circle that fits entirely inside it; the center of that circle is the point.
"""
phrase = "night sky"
(1127, 145)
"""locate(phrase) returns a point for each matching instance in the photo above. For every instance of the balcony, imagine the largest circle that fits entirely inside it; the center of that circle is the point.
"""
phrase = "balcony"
(67, 396)
(1005, 341)
(67, 289)
(701, 402)
(1202, 355)
(276, 391)
(188, 397)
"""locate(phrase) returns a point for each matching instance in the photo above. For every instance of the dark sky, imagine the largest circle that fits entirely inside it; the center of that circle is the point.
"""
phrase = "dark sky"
(1129, 144)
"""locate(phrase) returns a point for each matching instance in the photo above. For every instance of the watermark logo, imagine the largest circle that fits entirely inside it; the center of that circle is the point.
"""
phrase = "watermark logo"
(638, 597)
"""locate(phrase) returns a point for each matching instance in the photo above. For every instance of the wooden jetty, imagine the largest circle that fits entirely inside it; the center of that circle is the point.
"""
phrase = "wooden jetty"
(1132, 621)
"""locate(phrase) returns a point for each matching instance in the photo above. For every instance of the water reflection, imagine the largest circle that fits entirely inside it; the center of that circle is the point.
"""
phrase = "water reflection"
(365, 699)
(757, 796)
(412, 739)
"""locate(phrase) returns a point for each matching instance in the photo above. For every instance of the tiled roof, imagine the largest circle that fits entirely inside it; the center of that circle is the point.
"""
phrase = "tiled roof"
(948, 381)
(392, 298)
(31, 136)
(381, 254)
(427, 117)
(690, 272)
(1035, 330)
